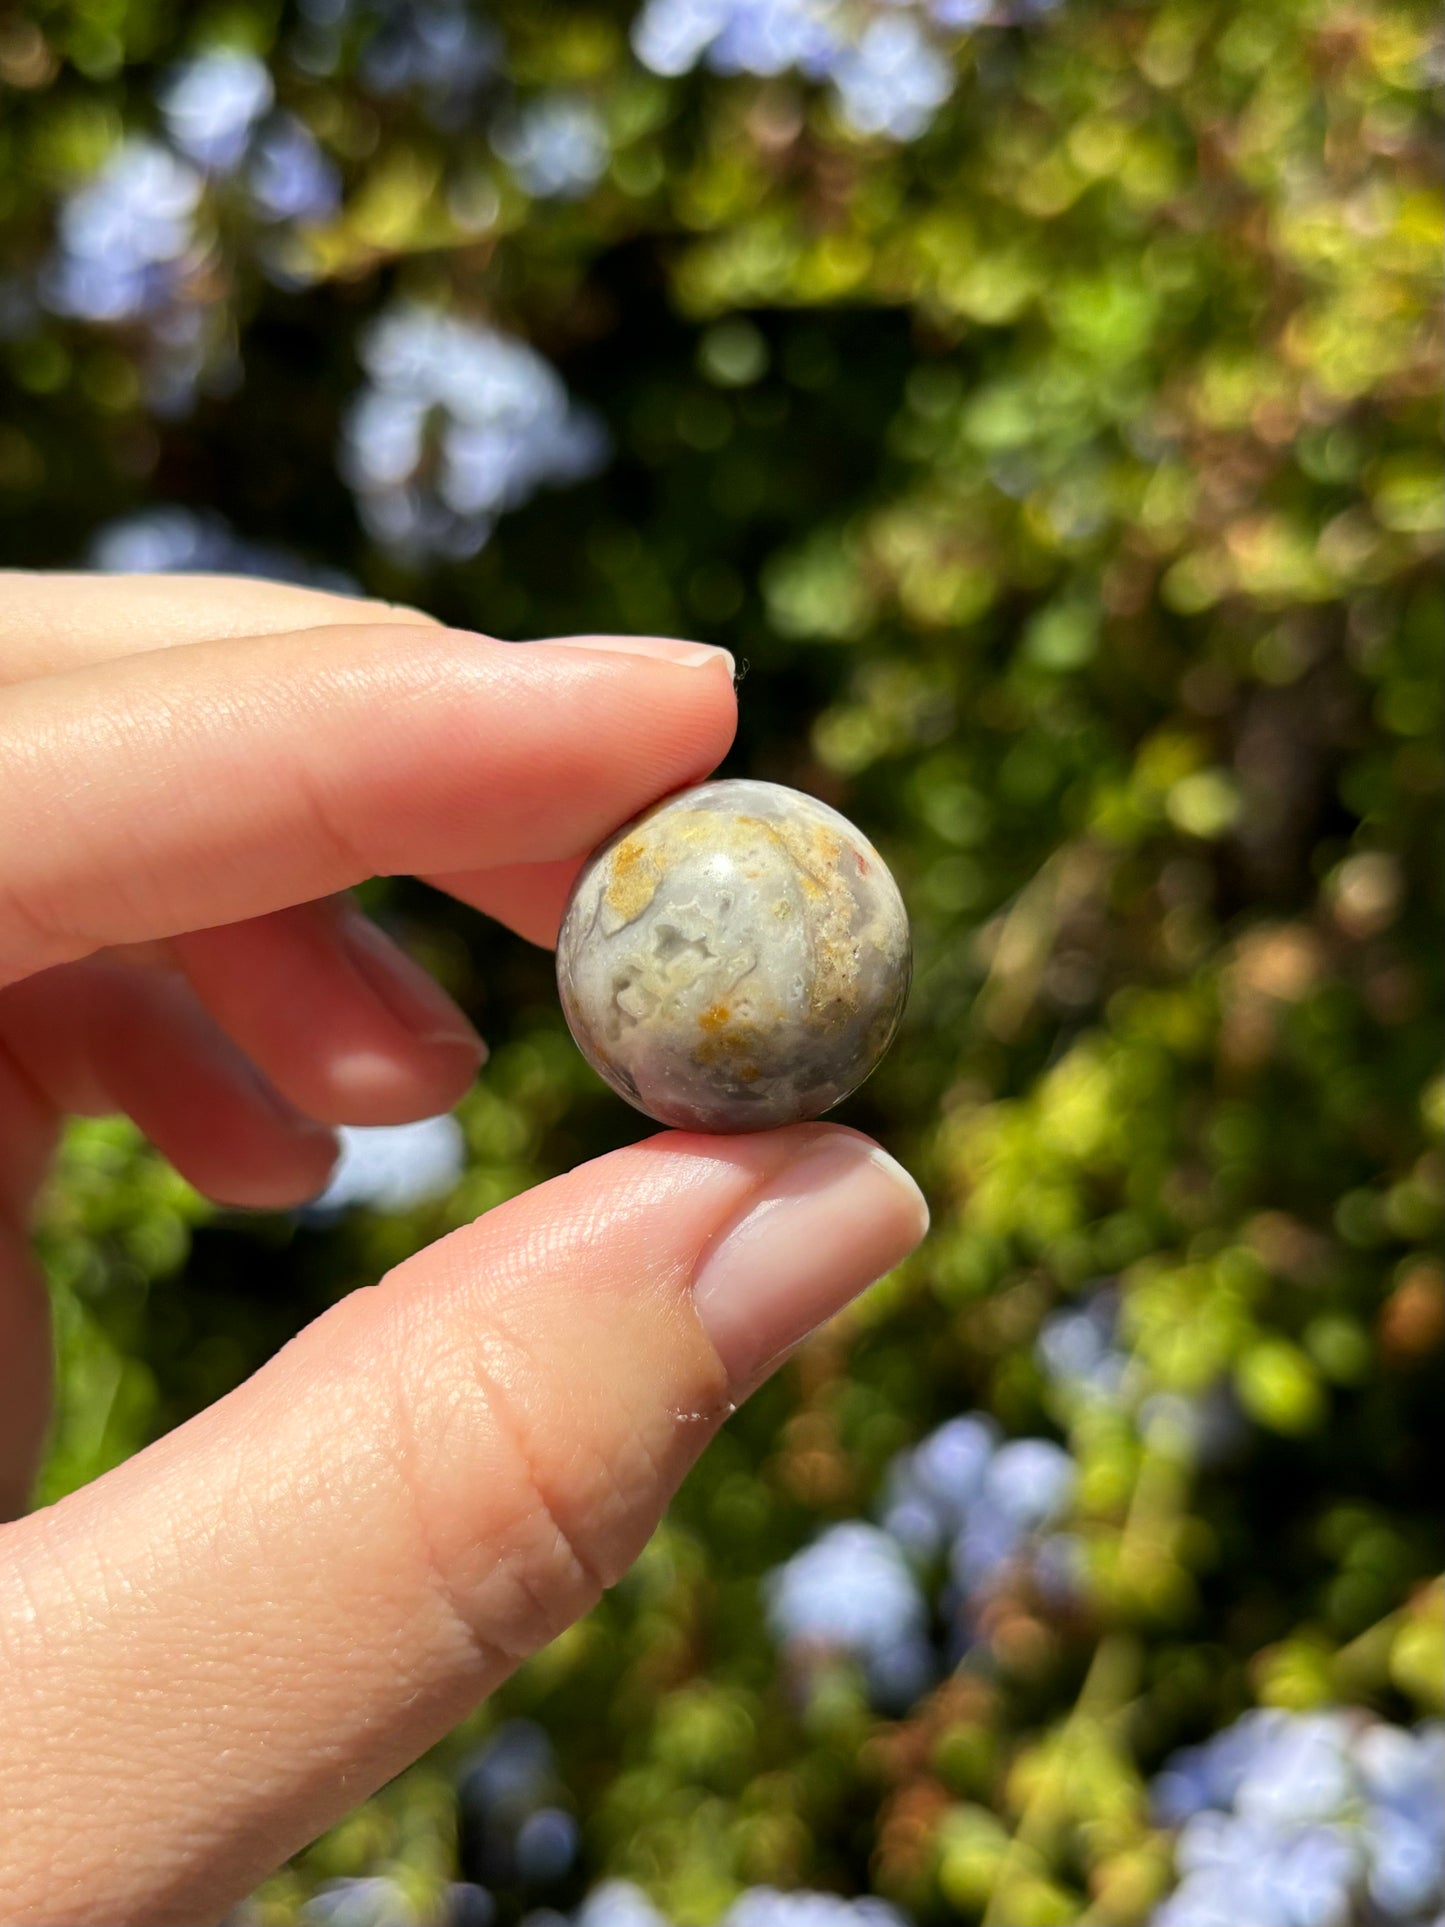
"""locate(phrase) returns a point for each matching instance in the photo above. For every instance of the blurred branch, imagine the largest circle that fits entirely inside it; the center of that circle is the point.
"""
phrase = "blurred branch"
(1023, 937)
(1108, 1689)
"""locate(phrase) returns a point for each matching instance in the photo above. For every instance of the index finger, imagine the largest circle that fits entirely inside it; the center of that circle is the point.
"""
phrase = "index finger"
(51, 621)
(215, 781)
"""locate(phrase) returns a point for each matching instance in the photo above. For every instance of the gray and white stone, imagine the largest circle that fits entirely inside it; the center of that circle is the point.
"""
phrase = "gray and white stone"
(736, 958)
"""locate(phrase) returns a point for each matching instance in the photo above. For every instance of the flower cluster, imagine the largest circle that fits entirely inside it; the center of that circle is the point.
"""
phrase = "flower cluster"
(518, 1840)
(135, 243)
(219, 112)
(517, 1831)
(372, 1901)
(126, 237)
(888, 72)
(457, 424)
(131, 240)
(853, 1591)
(211, 104)
(967, 1503)
(454, 65)
(556, 146)
(768, 1907)
(1088, 1365)
(382, 1902)
(1303, 1820)
(1079, 1349)
(435, 50)
(988, 1508)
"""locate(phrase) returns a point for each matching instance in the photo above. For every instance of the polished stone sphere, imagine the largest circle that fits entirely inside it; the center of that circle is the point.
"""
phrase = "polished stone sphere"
(736, 958)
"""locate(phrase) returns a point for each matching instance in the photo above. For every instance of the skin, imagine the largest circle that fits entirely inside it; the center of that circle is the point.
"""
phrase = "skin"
(213, 1652)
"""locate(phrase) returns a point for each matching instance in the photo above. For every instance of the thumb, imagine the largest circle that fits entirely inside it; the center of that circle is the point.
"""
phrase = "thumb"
(213, 1652)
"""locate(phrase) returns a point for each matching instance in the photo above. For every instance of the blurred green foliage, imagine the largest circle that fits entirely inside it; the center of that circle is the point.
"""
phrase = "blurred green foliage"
(1068, 479)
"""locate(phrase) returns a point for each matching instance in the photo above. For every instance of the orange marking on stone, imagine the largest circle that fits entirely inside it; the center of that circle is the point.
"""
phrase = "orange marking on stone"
(635, 876)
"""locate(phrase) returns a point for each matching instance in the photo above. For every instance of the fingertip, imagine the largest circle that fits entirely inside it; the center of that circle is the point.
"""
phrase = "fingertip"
(297, 1168)
(257, 1152)
(339, 1017)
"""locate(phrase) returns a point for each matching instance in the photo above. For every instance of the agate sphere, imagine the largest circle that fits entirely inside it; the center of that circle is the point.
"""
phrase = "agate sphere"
(734, 959)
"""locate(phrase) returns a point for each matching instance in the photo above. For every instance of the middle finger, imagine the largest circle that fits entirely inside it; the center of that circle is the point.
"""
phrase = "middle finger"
(337, 1016)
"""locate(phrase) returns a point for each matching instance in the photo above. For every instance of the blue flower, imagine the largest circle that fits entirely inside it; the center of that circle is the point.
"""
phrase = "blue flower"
(962, 13)
(124, 237)
(1402, 1775)
(556, 146)
(929, 1490)
(1318, 1872)
(210, 105)
(1292, 1818)
(894, 80)
(671, 36)
(889, 76)
(546, 1845)
(438, 48)
(949, 1466)
(468, 1905)
(375, 1902)
(1078, 1348)
(851, 1591)
(617, 1903)
(288, 177)
(959, 1492)
(987, 1541)
(169, 539)
(514, 1771)
(770, 1907)
(770, 36)
(1407, 1862)
(1301, 1771)
(1029, 1482)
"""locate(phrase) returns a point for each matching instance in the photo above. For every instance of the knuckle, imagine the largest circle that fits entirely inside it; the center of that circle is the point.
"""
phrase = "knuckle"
(515, 1557)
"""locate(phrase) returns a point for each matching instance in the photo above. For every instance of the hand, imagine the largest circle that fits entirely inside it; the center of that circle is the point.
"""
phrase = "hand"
(211, 1653)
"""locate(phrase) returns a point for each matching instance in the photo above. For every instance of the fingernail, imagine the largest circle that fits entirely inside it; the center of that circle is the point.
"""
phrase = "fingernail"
(413, 998)
(823, 1229)
(691, 655)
